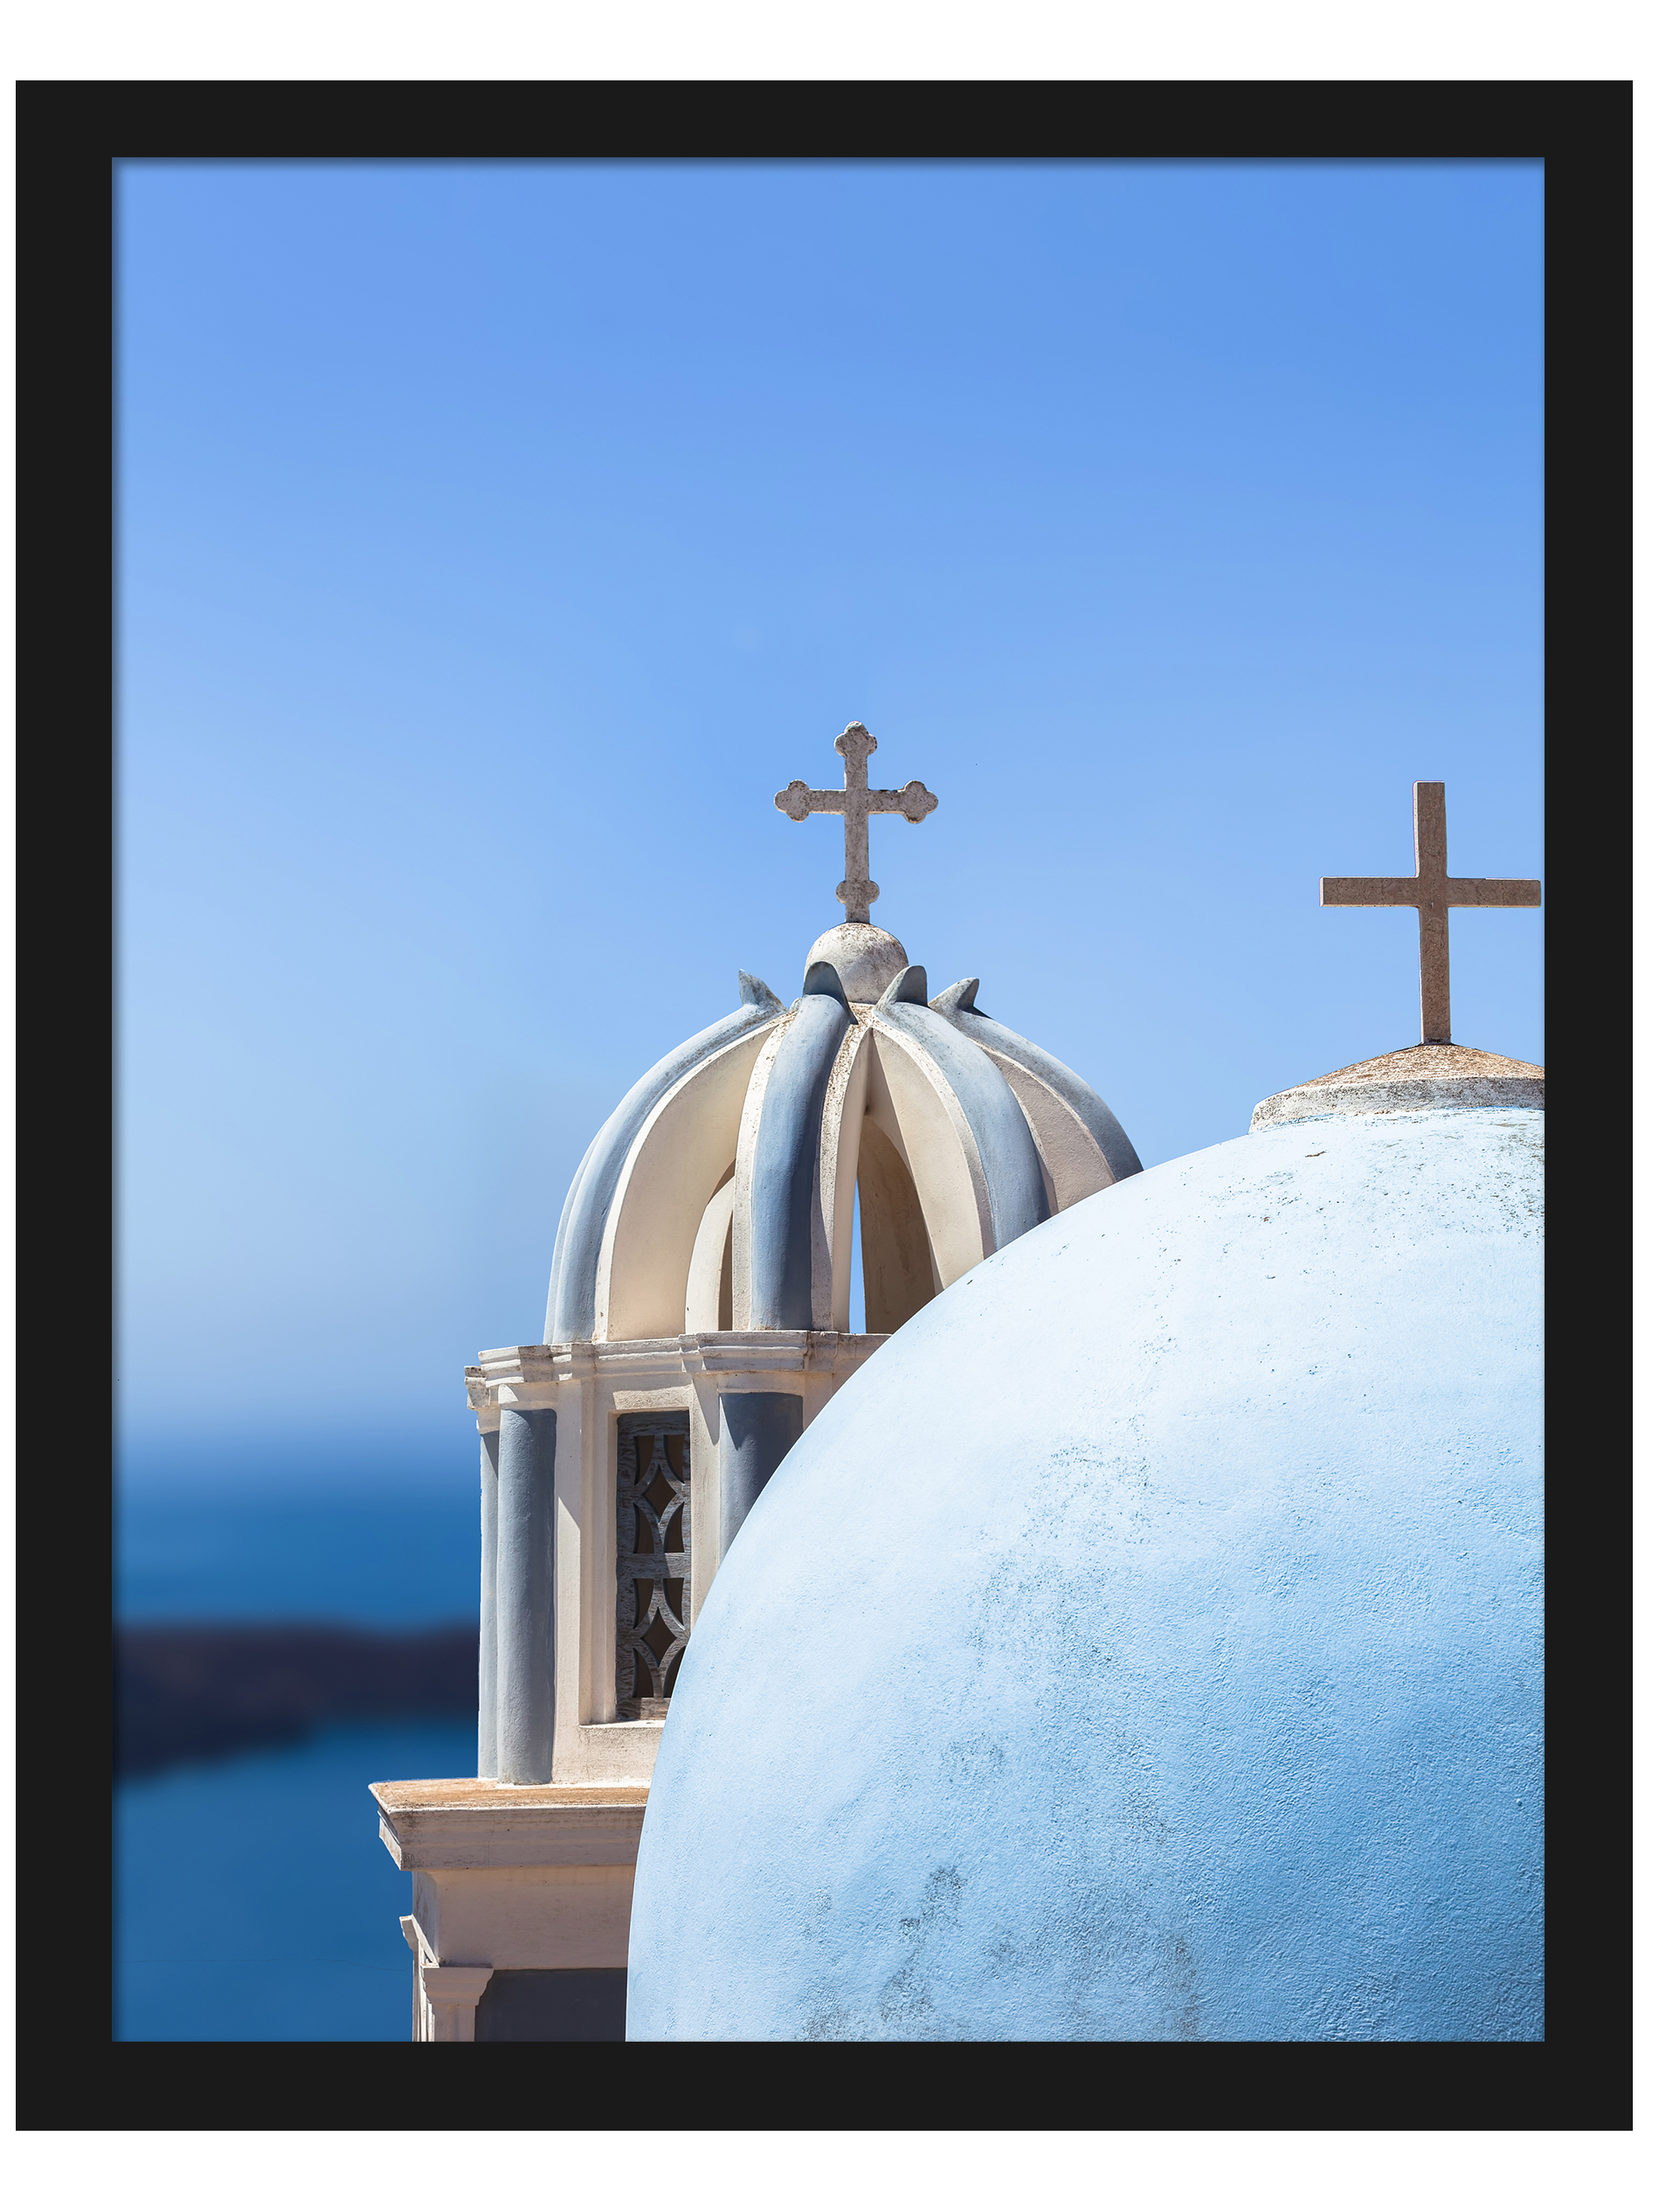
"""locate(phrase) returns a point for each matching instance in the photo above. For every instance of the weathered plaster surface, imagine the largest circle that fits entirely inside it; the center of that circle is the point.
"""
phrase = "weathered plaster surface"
(1418, 1080)
(867, 958)
(1173, 1590)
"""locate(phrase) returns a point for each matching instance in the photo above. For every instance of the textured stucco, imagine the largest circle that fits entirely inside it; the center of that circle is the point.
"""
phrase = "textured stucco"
(1146, 1643)
(1420, 1079)
(865, 958)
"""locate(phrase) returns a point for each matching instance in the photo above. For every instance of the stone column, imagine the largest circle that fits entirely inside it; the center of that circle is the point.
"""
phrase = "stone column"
(524, 1596)
(757, 1428)
(452, 1994)
(488, 1449)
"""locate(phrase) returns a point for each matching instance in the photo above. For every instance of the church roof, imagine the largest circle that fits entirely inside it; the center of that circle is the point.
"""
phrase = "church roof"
(720, 1193)
(1176, 1673)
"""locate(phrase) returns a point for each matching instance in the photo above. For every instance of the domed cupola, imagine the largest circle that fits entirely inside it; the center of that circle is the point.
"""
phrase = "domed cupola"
(720, 1193)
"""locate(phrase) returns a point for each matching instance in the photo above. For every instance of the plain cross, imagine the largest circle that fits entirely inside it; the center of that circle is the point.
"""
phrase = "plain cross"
(855, 803)
(1433, 893)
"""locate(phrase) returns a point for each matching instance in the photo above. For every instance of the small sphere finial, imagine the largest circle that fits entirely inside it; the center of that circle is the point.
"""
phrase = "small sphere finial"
(867, 958)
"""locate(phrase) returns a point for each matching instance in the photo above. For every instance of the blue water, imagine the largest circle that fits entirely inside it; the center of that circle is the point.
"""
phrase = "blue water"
(382, 1558)
(254, 1900)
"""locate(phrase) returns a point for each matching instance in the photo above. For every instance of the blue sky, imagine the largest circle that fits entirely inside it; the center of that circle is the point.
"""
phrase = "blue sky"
(495, 539)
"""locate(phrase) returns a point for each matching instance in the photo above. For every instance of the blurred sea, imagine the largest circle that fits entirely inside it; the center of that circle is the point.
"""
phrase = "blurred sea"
(255, 1901)
(378, 1558)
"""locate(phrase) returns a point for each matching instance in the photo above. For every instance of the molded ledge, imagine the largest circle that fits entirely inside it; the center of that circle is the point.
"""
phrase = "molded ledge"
(430, 1827)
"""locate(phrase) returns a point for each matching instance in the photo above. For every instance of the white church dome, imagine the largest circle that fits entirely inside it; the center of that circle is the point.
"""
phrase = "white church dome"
(1147, 1642)
(720, 1193)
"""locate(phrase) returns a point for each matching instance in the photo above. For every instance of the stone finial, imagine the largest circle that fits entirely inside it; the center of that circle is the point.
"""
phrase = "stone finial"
(866, 956)
(1432, 892)
(856, 802)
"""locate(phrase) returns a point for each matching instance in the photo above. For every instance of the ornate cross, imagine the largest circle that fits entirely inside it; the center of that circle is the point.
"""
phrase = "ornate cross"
(1432, 892)
(855, 803)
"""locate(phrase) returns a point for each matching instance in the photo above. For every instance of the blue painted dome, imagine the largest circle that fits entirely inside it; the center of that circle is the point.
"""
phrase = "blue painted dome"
(1146, 1643)
(720, 1194)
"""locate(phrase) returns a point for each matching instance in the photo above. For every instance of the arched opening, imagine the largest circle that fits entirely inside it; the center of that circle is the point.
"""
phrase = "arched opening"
(651, 1230)
(899, 1276)
(709, 1277)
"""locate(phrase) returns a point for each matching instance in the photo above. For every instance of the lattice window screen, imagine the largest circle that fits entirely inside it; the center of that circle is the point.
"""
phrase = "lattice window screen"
(654, 1558)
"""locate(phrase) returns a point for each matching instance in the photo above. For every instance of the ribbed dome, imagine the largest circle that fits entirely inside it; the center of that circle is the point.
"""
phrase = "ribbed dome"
(720, 1193)
(1180, 1672)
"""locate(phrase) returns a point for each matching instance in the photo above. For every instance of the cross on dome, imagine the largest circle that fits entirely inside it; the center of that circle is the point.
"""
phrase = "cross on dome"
(856, 802)
(1432, 892)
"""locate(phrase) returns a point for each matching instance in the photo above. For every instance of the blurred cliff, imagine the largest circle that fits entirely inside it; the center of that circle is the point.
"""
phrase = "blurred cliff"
(202, 1690)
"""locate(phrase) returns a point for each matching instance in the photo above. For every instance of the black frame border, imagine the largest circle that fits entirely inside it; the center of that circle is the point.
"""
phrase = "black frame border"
(70, 137)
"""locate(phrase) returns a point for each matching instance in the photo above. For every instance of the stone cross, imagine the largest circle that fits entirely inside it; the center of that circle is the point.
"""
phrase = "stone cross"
(1432, 892)
(855, 803)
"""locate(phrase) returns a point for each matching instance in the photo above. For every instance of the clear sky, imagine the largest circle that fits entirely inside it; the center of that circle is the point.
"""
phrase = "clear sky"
(495, 539)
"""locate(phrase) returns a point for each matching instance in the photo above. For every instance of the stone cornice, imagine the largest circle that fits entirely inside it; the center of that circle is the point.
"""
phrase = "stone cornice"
(431, 1826)
(515, 1374)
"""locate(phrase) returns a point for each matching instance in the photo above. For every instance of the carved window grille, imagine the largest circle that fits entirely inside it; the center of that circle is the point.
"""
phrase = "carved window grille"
(654, 1558)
